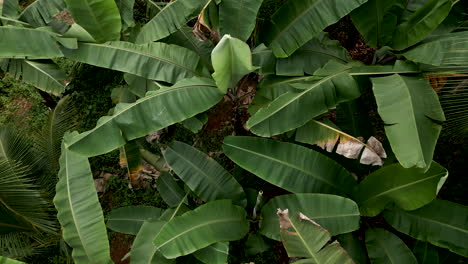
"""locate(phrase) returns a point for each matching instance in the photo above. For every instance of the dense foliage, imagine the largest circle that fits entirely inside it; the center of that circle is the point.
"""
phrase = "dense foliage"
(281, 156)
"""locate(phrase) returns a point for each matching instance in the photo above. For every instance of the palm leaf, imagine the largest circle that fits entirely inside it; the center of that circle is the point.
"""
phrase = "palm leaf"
(302, 237)
(100, 18)
(112, 132)
(79, 211)
(298, 21)
(288, 166)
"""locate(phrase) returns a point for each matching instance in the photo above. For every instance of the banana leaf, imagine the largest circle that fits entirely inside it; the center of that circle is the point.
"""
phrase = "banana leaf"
(410, 189)
(101, 18)
(238, 18)
(217, 221)
(385, 247)
(289, 166)
(129, 219)
(155, 111)
(335, 213)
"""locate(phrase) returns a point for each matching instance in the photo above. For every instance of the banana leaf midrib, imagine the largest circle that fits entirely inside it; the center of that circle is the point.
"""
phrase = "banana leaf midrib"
(402, 187)
(288, 165)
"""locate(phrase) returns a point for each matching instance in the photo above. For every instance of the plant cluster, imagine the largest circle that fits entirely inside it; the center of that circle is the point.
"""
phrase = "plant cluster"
(347, 203)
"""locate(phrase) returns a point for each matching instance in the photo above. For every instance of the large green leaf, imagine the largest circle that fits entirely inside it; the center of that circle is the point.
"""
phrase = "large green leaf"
(231, 60)
(203, 175)
(170, 192)
(331, 85)
(298, 21)
(79, 211)
(412, 114)
(335, 213)
(310, 57)
(354, 246)
(184, 37)
(302, 237)
(216, 221)
(43, 74)
(155, 111)
(442, 223)
(326, 135)
(143, 251)
(376, 20)
(264, 59)
(9, 8)
(291, 167)
(16, 43)
(100, 18)
(385, 247)
(421, 23)
(444, 50)
(128, 220)
(156, 61)
(425, 253)
(172, 17)
(40, 13)
(126, 13)
(216, 253)
(5, 260)
(238, 18)
(408, 188)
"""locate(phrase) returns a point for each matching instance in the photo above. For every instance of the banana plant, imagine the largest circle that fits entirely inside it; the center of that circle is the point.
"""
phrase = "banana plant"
(174, 76)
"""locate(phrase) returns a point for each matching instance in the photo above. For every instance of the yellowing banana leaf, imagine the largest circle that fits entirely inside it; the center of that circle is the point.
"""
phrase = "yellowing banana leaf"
(41, 12)
(129, 219)
(16, 43)
(441, 223)
(303, 237)
(298, 21)
(412, 115)
(231, 60)
(79, 211)
(155, 111)
(203, 175)
(172, 17)
(217, 221)
(385, 247)
(289, 166)
(101, 18)
(130, 159)
(335, 213)
(409, 189)
(238, 18)
(43, 74)
(326, 135)
(155, 61)
(421, 23)
(329, 86)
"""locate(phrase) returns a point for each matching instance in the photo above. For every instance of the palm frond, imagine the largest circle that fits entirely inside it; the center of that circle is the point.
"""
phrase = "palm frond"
(48, 141)
(15, 148)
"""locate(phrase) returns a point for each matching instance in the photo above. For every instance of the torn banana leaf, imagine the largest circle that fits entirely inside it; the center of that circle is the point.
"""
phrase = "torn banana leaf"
(130, 159)
(303, 237)
(327, 135)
